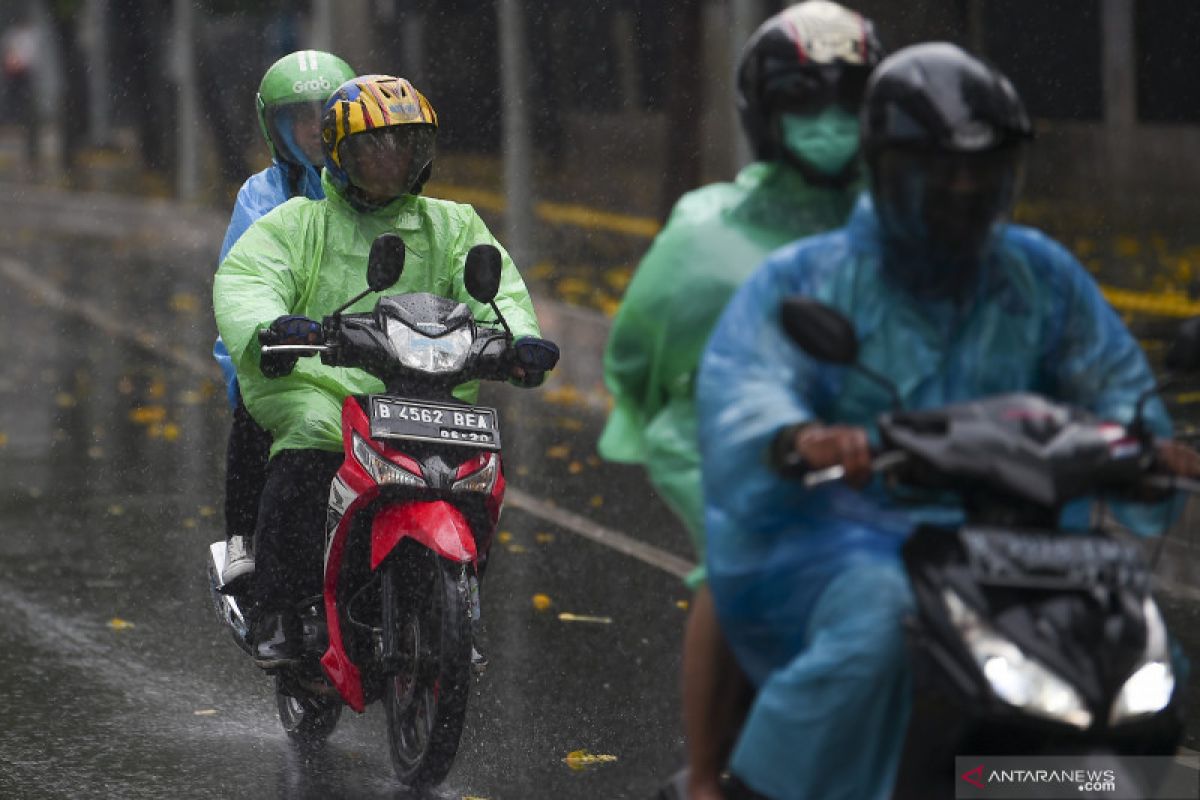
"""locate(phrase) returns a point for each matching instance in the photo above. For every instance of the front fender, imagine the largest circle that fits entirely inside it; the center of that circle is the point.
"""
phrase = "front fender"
(437, 525)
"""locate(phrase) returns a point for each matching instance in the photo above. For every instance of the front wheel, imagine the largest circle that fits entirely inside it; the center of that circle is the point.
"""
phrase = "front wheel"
(427, 623)
(309, 719)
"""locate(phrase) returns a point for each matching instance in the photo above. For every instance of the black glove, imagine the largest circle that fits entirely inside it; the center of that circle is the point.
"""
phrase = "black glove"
(288, 329)
(535, 357)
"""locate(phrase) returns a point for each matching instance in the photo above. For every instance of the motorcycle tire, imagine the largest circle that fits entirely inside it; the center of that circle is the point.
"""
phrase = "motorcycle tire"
(427, 626)
(307, 720)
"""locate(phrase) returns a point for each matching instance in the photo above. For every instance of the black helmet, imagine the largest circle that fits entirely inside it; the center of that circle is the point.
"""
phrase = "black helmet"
(943, 133)
(806, 57)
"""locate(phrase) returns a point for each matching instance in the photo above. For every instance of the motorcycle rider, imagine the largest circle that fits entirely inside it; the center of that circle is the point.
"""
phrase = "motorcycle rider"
(291, 96)
(300, 262)
(951, 303)
(800, 79)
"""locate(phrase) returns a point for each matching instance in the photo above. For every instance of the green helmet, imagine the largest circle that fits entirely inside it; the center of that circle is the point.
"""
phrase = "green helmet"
(290, 100)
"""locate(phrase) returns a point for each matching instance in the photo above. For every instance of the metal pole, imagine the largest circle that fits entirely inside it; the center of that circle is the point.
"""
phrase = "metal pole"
(322, 25)
(187, 137)
(745, 17)
(518, 161)
(99, 88)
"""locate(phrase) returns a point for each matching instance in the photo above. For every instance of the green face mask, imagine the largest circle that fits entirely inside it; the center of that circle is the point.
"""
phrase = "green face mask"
(826, 141)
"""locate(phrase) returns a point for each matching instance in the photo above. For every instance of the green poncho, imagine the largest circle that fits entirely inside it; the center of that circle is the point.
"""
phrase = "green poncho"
(310, 256)
(715, 238)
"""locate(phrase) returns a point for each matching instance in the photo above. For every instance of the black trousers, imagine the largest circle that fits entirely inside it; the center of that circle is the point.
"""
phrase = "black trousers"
(289, 541)
(245, 472)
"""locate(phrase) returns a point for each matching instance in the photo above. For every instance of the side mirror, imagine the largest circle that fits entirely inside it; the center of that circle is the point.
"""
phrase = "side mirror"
(386, 262)
(819, 330)
(1184, 352)
(481, 274)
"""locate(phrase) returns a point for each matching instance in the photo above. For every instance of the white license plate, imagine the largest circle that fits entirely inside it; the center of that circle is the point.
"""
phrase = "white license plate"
(397, 418)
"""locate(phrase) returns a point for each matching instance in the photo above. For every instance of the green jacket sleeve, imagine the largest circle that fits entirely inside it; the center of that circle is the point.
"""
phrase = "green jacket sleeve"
(262, 277)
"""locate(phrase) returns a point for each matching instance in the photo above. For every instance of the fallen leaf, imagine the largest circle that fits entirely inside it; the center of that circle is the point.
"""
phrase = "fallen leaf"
(558, 451)
(574, 468)
(147, 415)
(116, 510)
(582, 759)
(185, 302)
(118, 624)
(64, 400)
(542, 602)
(516, 548)
(3, 439)
(207, 511)
(596, 501)
(503, 537)
(189, 523)
(170, 431)
(544, 538)
(682, 605)
(568, 617)
(157, 389)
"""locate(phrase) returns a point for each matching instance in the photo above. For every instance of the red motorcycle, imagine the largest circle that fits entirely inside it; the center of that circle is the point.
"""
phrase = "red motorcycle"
(410, 521)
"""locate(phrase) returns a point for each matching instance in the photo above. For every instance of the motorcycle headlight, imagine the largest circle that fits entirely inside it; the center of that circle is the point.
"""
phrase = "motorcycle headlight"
(482, 479)
(1148, 690)
(439, 354)
(1015, 678)
(379, 468)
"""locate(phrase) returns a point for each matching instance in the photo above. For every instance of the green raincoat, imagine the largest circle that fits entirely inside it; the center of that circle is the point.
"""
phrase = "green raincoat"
(310, 256)
(715, 238)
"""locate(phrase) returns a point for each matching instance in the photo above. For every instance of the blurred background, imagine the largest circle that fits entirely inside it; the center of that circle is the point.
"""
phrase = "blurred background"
(617, 107)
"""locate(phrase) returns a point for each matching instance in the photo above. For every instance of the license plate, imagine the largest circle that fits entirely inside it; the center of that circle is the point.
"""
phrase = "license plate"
(396, 418)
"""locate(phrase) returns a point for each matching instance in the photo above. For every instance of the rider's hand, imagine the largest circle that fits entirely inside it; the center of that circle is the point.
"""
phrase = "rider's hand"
(821, 446)
(535, 357)
(1177, 458)
(295, 329)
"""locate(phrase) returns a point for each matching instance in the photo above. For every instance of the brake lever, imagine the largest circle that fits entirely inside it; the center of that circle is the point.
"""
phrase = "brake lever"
(880, 463)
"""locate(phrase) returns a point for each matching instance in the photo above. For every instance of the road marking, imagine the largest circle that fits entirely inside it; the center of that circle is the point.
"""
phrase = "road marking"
(586, 528)
(21, 273)
(155, 344)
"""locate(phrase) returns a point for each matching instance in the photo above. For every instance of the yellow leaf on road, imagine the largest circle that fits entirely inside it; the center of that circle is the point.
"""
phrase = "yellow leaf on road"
(118, 624)
(542, 602)
(575, 468)
(558, 451)
(682, 605)
(148, 415)
(516, 548)
(582, 759)
(568, 617)
(544, 538)
(504, 537)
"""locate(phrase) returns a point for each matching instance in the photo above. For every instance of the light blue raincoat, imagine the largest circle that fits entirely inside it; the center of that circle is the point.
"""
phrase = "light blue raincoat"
(808, 584)
(259, 194)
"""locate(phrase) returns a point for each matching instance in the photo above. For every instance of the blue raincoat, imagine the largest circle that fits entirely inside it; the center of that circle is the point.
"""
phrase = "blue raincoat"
(259, 194)
(808, 584)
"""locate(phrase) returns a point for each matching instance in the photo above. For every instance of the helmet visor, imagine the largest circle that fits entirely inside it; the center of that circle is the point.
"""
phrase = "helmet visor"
(387, 162)
(295, 129)
(945, 204)
(809, 90)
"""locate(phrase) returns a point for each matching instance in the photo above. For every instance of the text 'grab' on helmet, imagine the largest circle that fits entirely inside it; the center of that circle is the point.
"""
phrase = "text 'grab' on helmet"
(379, 134)
(291, 98)
(806, 58)
(943, 133)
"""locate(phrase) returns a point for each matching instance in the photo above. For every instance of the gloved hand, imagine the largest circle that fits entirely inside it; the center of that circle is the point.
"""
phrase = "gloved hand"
(535, 357)
(288, 329)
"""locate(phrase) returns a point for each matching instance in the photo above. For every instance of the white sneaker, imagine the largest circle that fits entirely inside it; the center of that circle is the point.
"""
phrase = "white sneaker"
(239, 561)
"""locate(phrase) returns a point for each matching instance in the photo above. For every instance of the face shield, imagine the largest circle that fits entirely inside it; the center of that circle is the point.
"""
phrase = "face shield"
(941, 208)
(295, 128)
(386, 163)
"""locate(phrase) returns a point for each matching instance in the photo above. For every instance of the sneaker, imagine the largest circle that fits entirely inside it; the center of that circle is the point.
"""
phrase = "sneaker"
(277, 639)
(479, 661)
(239, 563)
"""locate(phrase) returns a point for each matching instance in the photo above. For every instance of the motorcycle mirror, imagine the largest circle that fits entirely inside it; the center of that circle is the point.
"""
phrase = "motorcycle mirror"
(481, 274)
(1184, 353)
(386, 262)
(819, 330)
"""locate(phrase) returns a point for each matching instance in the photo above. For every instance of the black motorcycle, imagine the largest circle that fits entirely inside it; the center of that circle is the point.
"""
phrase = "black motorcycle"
(1027, 639)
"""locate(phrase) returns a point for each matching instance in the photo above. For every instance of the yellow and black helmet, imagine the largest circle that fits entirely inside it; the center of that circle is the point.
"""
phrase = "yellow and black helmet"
(379, 133)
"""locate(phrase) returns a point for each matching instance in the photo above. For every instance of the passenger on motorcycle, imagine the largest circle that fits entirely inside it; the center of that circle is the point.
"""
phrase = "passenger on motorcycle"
(299, 263)
(951, 303)
(290, 98)
(799, 84)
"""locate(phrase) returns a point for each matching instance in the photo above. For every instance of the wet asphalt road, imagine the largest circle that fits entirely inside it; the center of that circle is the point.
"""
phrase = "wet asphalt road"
(118, 682)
